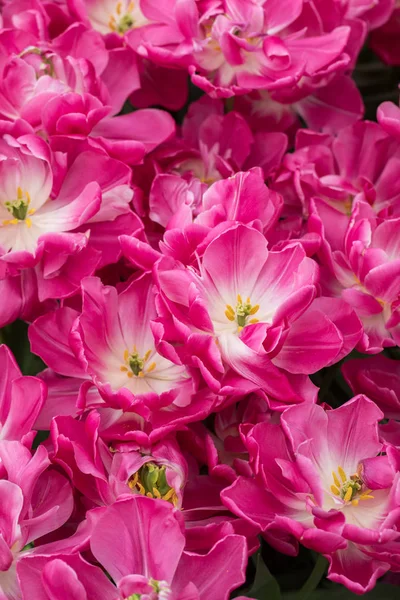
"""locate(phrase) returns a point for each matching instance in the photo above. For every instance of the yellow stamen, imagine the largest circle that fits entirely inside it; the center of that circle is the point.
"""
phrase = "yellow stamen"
(123, 369)
(151, 367)
(111, 25)
(20, 193)
(156, 493)
(248, 301)
(141, 488)
(133, 481)
(140, 374)
(149, 494)
(252, 321)
(354, 502)
(230, 309)
(366, 497)
(239, 299)
(348, 494)
(239, 329)
(255, 309)
(335, 490)
(342, 474)
(146, 356)
(126, 355)
(14, 222)
(31, 212)
(229, 316)
(28, 222)
(336, 479)
(130, 374)
(119, 8)
(169, 494)
(131, 6)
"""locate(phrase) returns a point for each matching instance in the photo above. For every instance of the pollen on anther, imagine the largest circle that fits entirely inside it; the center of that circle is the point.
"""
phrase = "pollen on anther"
(130, 374)
(348, 494)
(151, 367)
(255, 309)
(335, 490)
(239, 299)
(126, 355)
(146, 356)
(252, 321)
(28, 222)
(119, 8)
(229, 316)
(123, 369)
(336, 479)
(342, 474)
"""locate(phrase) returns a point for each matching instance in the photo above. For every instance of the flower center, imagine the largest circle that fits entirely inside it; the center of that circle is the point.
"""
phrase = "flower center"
(160, 590)
(121, 22)
(135, 365)
(19, 209)
(242, 312)
(350, 489)
(151, 481)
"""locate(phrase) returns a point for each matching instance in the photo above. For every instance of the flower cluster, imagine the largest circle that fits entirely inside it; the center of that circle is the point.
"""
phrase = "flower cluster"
(185, 270)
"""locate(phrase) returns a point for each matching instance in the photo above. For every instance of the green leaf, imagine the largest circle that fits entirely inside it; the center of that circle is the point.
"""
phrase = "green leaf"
(265, 586)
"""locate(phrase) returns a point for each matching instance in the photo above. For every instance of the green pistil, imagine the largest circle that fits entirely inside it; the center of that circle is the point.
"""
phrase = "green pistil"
(355, 488)
(125, 23)
(242, 312)
(136, 363)
(18, 209)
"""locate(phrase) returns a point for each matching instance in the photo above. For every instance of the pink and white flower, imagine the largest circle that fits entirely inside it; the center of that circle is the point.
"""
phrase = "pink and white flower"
(320, 479)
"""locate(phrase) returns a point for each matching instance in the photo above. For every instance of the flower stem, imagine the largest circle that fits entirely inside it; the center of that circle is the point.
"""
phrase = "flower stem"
(314, 579)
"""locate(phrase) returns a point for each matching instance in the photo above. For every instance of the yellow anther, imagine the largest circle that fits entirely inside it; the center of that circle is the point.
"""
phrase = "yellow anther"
(14, 222)
(169, 494)
(28, 197)
(348, 494)
(230, 309)
(229, 316)
(31, 211)
(239, 329)
(111, 24)
(130, 374)
(255, 309)
(366, 497)
(146, 356)
(252, 321)
(28, 222)
(119, 8)
(156, 493)
(336, 479)
(248, 301)
(239, 299)
(151, 367)
(149, 494)
(20, 193)
(133, 480)
(141, 488)
(342, 474)
(131, 6)
(335, 490)
(123, 369)
(354, 502)
(126, 355)
(140, 374)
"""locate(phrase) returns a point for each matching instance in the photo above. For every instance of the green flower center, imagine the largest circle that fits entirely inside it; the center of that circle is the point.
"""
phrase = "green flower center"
(151, 481)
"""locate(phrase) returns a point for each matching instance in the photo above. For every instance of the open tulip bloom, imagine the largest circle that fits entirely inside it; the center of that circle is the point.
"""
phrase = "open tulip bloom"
(199, 299)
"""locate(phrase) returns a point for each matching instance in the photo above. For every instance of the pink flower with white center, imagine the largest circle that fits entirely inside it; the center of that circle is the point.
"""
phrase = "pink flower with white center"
(320, 479)
(115, 16)
(26, 211)
(120, 358)
(251, 315)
